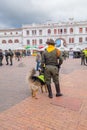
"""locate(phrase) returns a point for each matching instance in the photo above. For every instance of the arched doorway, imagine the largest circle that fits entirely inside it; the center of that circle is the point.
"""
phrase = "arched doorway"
(60, 42)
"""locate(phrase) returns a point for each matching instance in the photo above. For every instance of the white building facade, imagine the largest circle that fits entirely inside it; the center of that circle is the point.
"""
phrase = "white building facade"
(10, 38)
(72, 34)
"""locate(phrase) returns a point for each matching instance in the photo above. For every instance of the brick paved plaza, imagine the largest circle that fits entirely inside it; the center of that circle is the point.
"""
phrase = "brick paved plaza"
(18, 111)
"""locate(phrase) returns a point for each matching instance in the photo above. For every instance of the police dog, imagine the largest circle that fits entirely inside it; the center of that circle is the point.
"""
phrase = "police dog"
(35, 83)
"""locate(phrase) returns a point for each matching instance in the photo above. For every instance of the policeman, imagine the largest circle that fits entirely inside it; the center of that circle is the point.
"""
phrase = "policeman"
(1, 57)
(11, 56)
(85, 52)
(82, 58)
(6, 57)
(50, 59)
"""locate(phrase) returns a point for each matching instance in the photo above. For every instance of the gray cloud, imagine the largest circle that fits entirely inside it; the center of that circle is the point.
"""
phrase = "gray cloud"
(14, 13)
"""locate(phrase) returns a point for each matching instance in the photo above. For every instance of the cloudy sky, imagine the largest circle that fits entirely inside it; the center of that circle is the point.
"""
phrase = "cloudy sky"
(15, 13)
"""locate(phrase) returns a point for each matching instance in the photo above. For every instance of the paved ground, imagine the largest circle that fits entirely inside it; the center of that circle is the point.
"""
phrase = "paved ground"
(13, 86)
(20, 112)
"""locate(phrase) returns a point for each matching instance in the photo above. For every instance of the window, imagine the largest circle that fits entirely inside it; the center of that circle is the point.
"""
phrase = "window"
(49, 31)
(80, 39)
(71, 30)
(34, 32)
(27, 32)
(86, 29)
(40, 32)
(16, 41)
(3, 41)
(86, 39)
(11, 33)
(40, 41)
(65, 30)
(28, 42)
(71, 40)
(60, 31)
(80, 30)
(55, 31)
(34, 42)
(10, 41)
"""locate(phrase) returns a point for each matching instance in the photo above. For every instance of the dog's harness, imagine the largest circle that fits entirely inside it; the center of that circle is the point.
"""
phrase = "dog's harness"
(41, 77)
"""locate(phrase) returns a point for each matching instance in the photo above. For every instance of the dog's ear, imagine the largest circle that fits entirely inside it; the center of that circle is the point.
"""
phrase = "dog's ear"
(33, 71)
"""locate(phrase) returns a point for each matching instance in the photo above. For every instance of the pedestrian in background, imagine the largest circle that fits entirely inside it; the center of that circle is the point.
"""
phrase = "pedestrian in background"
(50, 60)
(82, 57)
(7, 57)
(38, 61)
(85, 52)
(18, 55)
(1, 57)
(11, 56)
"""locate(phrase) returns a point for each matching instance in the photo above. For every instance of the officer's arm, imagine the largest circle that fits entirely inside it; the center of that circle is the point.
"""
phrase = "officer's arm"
(60, 58)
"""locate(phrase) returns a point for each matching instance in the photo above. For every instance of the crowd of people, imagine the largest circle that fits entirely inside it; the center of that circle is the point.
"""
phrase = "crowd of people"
(9, 54)
(8, 57)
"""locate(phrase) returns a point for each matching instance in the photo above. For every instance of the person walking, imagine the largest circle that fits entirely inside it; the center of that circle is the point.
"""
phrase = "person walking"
(6, 57)
(1, 57)
(18, 55)
(50, 58)
(38, 61)
(82, 57)
(85, 52)
(11, 56)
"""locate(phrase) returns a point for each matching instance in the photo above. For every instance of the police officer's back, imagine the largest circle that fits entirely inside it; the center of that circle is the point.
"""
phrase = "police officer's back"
(50, 59)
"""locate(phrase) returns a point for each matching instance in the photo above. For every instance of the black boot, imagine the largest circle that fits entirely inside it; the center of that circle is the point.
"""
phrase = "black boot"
(57, 86)
(49, 91)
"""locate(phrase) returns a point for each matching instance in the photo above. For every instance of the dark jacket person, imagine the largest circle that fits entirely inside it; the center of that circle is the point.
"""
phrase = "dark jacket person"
(1, 57)
(11, 56)
(50, 59)
(6, 57)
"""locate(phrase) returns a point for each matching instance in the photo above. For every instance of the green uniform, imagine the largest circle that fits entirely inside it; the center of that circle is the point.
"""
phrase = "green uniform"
(50, 60)
(1, 57)
(11, 56)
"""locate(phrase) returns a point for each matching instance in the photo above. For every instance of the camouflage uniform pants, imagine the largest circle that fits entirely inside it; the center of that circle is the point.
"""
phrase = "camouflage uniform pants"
(0, 61)
(6, 59)
(51, 72)
(11, 59)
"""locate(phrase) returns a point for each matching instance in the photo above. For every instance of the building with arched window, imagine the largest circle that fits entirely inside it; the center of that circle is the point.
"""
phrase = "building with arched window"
(10, 38)
(71, 33)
